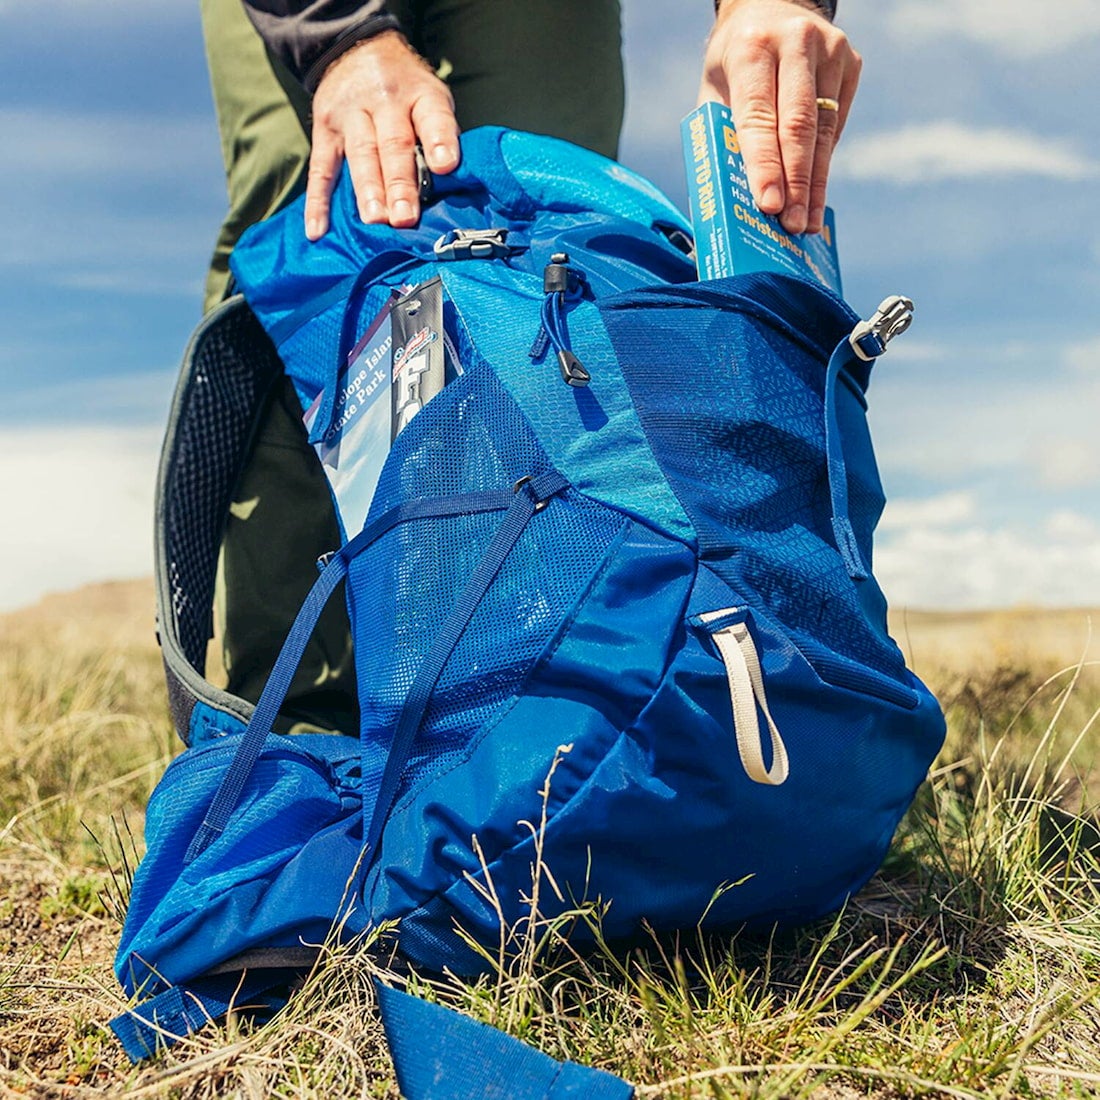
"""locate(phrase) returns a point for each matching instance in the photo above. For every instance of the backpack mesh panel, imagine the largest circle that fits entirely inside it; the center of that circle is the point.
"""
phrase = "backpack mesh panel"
(229, 368)
(470, 437)
(740, 436)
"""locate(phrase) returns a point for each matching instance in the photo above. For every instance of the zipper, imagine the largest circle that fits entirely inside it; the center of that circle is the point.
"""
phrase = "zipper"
(867, 341)
(844, 674)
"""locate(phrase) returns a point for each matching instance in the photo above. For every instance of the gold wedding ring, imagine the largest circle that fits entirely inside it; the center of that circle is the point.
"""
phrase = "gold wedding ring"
(827, 103)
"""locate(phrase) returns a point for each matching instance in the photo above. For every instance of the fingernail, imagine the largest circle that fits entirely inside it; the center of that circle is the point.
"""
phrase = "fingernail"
(403, 211)
(441, 155)
(375, 212)
(794, 221)
(315, 227)
(817, 220)
(772, 197)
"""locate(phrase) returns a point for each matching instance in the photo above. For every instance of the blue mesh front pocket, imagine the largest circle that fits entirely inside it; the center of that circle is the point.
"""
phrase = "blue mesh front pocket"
(472, 437)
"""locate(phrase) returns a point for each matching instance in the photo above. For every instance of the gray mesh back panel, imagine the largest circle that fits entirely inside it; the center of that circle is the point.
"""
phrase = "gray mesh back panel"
(227, 370)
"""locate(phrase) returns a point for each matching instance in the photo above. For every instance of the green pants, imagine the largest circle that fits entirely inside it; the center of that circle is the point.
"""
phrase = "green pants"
(548, 66)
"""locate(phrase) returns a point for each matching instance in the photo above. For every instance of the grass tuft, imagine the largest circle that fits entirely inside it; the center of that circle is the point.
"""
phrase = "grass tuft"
(969, 967)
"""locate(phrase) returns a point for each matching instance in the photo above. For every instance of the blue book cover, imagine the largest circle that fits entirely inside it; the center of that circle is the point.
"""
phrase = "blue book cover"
(732, 237)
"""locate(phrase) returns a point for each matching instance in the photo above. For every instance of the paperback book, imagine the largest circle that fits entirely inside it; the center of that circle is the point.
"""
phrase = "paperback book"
(732, 236)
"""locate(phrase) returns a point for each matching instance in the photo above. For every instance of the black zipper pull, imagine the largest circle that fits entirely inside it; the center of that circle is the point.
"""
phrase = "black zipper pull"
(556, 275)
(560, 283)
(573, 371)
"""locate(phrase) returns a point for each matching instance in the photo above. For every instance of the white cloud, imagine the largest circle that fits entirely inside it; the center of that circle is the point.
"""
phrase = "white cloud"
(120, 399)
(1018, 28)
(663, 63)
(934, 151)
(944, 510)
(1084, 356)
(127, 204)
(78, 507)
(1067, 463)
(125, 252)
(1067, 525)
(918, 351)
(978, 567)
(134, 282)
(1025, 414)
(661, 94)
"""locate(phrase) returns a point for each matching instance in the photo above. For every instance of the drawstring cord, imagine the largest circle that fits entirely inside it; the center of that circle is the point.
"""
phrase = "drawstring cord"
(562, 286)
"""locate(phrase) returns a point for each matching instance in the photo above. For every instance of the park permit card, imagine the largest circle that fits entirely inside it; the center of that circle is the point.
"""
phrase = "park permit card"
(394, 370)
(732, 237)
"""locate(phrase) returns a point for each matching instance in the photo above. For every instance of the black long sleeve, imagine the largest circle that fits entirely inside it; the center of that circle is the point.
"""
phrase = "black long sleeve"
(308, 35)
(826, 7)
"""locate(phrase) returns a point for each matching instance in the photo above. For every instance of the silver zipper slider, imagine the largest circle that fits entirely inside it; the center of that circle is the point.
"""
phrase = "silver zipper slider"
(893, 316)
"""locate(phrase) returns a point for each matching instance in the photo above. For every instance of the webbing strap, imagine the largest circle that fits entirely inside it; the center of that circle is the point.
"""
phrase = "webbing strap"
(439, 1054)
(179, 1011)
(385, 263)
(746, 686)
(529, 498)
(278, 683)
(843, 531)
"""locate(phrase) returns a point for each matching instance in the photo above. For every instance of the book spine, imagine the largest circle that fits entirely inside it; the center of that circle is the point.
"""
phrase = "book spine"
(703, 160)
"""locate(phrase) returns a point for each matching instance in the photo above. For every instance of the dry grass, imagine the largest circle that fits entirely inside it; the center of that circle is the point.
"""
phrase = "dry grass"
(969, 968)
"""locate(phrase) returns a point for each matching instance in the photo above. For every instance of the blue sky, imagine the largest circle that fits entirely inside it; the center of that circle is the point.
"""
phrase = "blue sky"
(967, 179)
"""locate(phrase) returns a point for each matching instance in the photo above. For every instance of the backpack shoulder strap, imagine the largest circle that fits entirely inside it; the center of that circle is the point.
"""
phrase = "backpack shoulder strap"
(439, 1054)
(181, 1010)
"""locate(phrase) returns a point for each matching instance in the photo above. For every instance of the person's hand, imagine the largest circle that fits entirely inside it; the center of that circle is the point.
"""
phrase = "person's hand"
(771, 60)
(372, 106)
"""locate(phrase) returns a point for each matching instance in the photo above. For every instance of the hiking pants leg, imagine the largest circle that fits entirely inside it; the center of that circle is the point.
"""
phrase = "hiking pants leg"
(263, 117)
(281, 520)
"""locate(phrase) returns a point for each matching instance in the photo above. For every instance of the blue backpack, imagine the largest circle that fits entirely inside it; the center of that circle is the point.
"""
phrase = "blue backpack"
(612, 604)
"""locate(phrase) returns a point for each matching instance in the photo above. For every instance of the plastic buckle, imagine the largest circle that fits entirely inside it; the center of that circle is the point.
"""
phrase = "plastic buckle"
(893, 316)
(472, 244)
